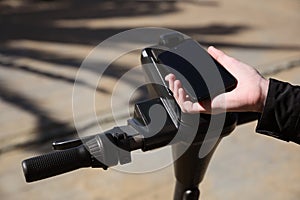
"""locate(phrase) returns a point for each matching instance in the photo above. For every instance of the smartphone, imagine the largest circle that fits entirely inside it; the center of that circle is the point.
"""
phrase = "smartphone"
(201, 75)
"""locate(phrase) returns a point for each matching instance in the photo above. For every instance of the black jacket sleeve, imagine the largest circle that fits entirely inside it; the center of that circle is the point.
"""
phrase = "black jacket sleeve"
(281, 115)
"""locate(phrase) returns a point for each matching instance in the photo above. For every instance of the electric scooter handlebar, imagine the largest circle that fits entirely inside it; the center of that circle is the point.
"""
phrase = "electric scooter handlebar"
(109, 148)
(102, 150)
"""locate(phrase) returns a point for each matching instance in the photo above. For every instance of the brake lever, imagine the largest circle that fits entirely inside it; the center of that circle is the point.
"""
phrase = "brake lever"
(67, 144)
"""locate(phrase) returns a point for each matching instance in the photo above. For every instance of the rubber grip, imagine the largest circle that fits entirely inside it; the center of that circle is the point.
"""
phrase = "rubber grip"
(55, 163)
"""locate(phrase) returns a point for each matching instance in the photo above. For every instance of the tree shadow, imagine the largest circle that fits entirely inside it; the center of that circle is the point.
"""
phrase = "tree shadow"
(53, 76)
(49, 127)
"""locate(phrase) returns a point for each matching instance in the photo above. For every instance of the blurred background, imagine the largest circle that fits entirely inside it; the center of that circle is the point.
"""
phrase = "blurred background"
(42, 45)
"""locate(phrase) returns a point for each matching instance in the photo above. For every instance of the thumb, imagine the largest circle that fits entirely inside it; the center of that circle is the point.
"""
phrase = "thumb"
(216, 53)
(225, 60)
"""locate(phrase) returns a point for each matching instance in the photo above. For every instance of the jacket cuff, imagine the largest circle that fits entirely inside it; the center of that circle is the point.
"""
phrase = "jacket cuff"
(267, 122)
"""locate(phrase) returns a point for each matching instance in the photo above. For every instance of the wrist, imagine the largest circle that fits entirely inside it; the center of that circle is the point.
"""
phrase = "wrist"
(264, 87)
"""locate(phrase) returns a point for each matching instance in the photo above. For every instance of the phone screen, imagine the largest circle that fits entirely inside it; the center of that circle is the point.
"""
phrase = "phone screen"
(201, 80)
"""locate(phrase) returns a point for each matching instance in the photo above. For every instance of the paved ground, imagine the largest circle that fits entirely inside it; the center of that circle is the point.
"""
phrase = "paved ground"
(42, 45)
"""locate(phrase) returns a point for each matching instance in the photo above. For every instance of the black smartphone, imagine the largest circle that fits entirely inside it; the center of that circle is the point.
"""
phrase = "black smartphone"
(201, 76)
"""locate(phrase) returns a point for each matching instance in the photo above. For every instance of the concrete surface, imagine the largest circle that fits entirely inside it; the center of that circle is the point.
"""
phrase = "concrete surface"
(42, 44)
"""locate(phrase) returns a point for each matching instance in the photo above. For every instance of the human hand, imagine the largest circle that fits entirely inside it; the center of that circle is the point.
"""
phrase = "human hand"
(248, 96)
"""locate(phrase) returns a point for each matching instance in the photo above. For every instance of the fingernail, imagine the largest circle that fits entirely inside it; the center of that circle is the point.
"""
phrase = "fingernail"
(212, 47)
(167, 77)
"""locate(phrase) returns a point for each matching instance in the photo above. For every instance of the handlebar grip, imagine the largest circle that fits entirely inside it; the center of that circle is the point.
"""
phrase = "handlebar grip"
(56, 163)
